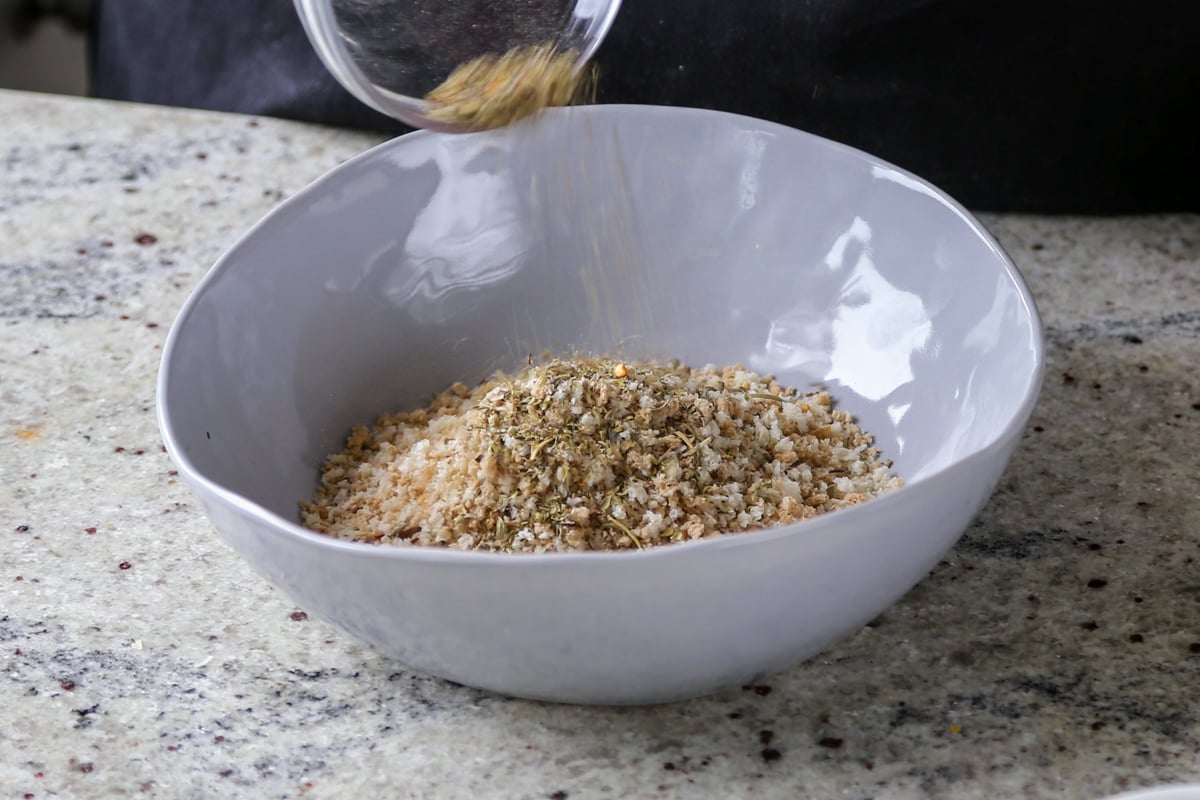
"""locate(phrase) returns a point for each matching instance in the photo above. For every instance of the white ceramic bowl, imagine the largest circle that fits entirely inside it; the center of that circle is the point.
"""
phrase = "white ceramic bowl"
(665, 232)
(1190, 791)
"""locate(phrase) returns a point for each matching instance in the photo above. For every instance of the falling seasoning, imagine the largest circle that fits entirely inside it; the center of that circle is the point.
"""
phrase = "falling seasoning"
(596, 454)
(493, 91)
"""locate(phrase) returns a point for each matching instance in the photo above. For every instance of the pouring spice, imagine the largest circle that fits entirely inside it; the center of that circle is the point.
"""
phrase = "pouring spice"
(596, 454)
(493, 91)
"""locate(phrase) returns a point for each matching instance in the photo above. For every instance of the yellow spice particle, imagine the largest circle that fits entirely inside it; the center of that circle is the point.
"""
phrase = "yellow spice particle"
(493, 91)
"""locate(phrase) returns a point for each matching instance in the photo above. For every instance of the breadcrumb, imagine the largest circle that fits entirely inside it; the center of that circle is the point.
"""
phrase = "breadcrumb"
(597, 454)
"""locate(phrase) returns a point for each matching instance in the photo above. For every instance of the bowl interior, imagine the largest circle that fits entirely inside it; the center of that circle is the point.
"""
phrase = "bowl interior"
(667, 233)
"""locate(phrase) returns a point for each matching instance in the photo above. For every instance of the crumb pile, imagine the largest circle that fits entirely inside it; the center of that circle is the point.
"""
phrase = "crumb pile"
(596, 454)
(493, 91)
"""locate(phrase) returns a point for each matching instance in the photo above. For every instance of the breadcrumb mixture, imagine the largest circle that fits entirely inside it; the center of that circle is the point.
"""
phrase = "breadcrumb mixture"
(596, 454)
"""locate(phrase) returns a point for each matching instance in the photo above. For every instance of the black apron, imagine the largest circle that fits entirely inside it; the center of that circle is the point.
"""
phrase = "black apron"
(1080, 106)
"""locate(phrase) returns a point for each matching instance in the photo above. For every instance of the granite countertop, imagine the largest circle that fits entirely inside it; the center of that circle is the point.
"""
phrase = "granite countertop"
(1055, 652)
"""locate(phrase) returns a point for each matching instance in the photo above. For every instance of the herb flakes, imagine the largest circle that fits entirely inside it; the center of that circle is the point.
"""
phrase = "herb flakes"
(596, 454)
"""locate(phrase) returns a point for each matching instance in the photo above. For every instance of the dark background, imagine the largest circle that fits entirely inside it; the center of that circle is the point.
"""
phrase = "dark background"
(1075, 106)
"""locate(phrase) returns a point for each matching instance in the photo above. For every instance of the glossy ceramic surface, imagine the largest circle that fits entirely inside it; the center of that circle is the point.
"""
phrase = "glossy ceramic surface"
(657, 232)
(1189, 791)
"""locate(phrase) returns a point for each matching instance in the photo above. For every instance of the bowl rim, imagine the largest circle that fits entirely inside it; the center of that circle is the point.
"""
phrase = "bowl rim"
(283, 526)
(1167, 791)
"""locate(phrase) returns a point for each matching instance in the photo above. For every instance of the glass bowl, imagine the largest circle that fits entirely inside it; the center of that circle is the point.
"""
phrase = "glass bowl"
(391, 53)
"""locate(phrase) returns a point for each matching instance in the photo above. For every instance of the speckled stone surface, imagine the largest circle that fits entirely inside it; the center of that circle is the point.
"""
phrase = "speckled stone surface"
(1054, 653)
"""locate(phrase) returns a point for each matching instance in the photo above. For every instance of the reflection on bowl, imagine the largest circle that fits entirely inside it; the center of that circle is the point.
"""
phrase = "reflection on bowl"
(1189, 791)
(661, 233)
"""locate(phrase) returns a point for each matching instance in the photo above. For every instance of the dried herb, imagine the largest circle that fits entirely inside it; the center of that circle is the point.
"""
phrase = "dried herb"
(493, 91)
(596, 454)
